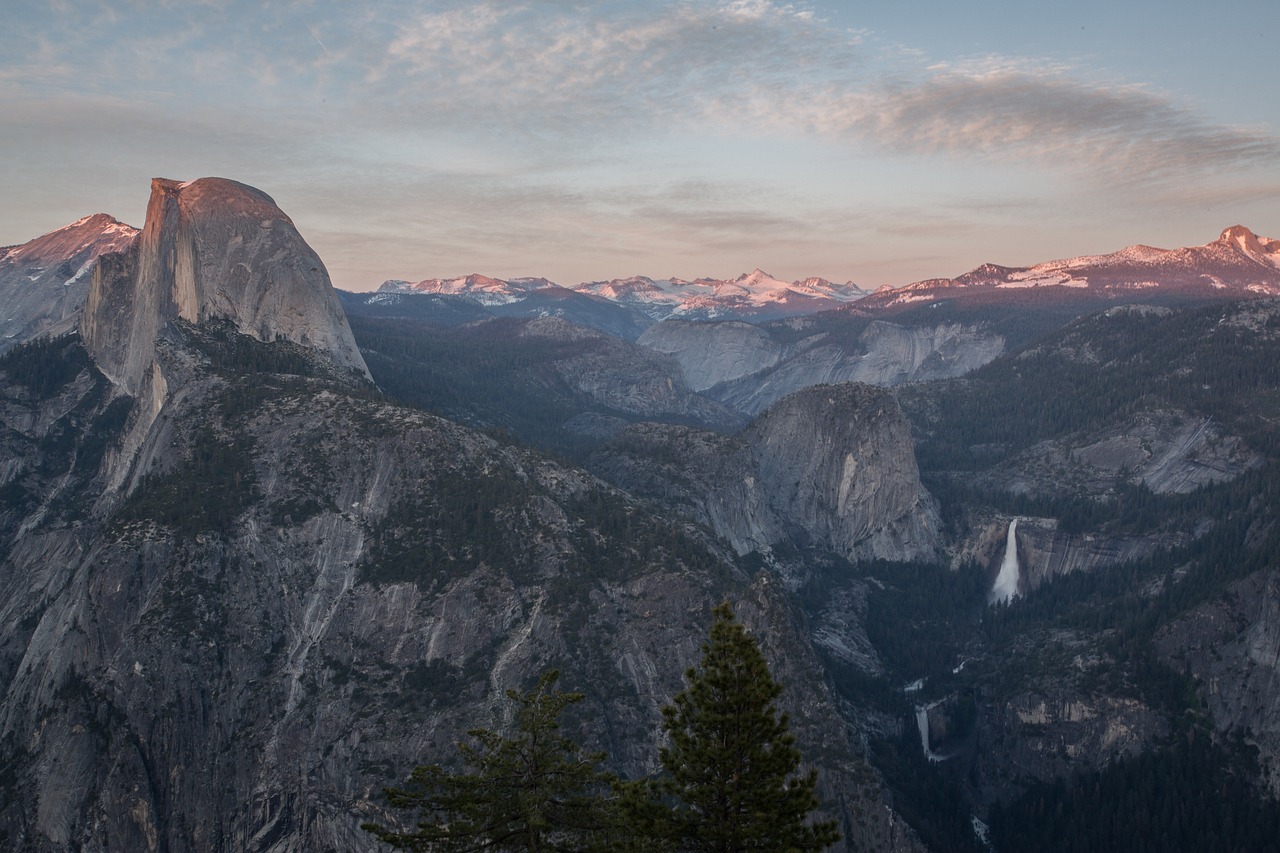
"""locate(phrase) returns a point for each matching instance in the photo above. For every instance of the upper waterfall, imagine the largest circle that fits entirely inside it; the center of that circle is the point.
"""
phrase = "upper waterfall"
(1006, 585)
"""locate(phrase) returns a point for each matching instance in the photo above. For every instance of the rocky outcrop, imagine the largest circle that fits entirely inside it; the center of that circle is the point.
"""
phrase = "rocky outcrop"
(882, 354)
(44, 283)
(712, 353)
(628, 379)
(837, 464)
(829, 468)
(1169, 451)
(1055, 732)
(1231, 645)
(212, 249)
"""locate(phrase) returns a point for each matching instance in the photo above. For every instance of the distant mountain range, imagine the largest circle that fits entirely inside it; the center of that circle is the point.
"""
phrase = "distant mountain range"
(1237, 262)
(754, 295)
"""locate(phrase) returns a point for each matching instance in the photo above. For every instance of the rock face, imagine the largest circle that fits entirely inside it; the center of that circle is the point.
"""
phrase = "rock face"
(1045, 552)
(837, 463)
(1052, 731)
(711, 353)
(830, 467)
(1232, 647)
(212, 249)
(749, 369)
(240, 598)
(44, 283)
(1169, 451)
(628, 379)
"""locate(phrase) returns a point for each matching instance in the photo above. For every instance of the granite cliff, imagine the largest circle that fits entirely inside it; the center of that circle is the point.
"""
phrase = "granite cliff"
(749, 368)
(241, 592)
(829, 468)
(212, 249)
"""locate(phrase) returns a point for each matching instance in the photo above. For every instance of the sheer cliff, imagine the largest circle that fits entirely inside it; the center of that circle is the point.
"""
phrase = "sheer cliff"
(212, 249)
(749, 368)
(240, 591)
(830, 467)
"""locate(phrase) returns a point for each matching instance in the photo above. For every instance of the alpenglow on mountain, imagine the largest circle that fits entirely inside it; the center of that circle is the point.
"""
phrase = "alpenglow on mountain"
(1237, 262)
(212, 249)
(756, 294)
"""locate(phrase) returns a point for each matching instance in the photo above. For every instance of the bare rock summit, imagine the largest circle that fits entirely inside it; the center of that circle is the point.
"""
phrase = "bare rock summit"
(43, 282)
(212, 250)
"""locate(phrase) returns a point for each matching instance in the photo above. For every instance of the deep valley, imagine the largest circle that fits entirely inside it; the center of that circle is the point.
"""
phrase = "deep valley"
(1009, 540)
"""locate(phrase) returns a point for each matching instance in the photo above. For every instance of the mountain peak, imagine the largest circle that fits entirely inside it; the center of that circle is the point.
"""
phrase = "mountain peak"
(212, 249)
(1260, 249)
(44, 282)
(756, 275)
(1236, 233)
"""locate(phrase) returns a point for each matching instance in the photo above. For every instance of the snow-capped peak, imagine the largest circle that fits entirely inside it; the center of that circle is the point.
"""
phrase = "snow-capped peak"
(757, 276)
(826, 289)
(1260, 249)
(96, 234)
(482, 288)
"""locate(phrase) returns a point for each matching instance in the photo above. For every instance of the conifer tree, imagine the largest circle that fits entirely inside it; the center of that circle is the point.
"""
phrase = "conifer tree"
(729, 785)
(534, 791)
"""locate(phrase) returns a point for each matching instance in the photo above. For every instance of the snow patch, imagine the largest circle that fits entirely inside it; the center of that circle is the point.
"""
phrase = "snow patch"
(84, 268)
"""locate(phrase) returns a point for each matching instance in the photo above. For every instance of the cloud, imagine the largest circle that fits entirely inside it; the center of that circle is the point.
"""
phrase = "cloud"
(1045, 116)
(511, 137)
(573, 77)
(613, 65)
(758, 67)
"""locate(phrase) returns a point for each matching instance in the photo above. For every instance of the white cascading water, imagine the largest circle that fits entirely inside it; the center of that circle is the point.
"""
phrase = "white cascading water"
(922, 723)
(1006, 585)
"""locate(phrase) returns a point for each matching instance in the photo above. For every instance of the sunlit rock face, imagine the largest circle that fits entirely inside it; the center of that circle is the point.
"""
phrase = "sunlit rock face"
(212, 249)
(44, 282)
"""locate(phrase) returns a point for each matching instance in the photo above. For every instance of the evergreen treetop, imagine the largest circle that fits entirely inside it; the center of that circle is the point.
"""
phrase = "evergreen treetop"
(533, 791)
(729, 785)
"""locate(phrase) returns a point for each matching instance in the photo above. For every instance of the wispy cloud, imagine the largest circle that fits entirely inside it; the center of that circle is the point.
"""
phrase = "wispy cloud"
(570, 76)
(759, 67)
(448, 136)
(1116, 132)
(608, 65)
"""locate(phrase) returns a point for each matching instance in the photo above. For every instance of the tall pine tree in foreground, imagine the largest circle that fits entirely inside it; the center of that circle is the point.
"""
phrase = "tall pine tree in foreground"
(533, 791)
(729, 785)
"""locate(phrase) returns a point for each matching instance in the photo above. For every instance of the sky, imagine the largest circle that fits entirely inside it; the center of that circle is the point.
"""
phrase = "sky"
(583, 140)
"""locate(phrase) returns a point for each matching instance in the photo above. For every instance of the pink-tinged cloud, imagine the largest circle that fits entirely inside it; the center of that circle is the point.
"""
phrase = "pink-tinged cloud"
(1123, 133)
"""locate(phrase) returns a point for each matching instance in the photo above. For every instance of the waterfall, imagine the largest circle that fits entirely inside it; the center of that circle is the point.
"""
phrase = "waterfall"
(1006, 585)
(922, 723)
